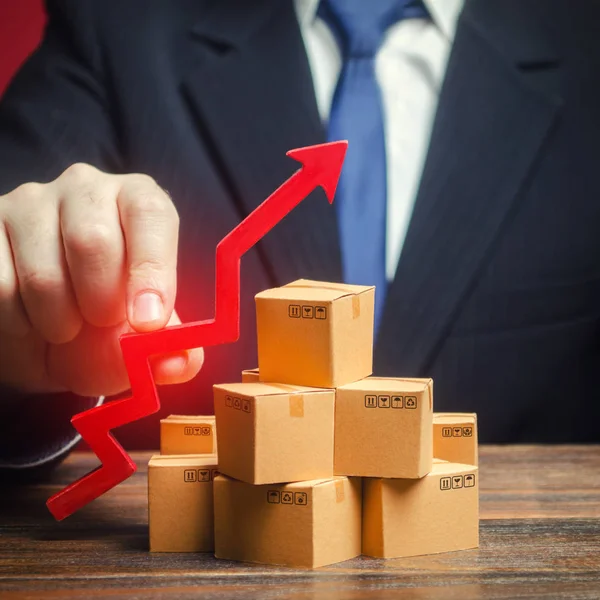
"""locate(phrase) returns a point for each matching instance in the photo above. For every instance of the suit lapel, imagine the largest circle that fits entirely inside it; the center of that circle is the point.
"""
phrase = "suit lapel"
(491, 125)
(252, 93)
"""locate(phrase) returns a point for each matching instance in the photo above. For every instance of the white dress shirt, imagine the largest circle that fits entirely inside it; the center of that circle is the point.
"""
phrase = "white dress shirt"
(410, 67)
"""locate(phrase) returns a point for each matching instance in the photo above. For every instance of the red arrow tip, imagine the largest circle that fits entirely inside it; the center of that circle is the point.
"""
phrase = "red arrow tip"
(324, 162)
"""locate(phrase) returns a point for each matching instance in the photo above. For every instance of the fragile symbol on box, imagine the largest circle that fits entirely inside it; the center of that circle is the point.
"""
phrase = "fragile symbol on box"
(203, 475)
(470, 480)
(320, 312)
(371, 401)
(196, 431)
(457, 482)
(445, 483)
(384, 401)
(307, 312)
(397, 402)
(300, 498)
(457, 432)
(237, 403)
(273, 497)
(190, 476)
(246, 407)
(294, 311)
(446, 431)
(287, 498)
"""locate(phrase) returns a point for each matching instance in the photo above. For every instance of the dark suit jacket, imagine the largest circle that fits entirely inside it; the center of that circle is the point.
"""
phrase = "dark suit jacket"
(497, 293)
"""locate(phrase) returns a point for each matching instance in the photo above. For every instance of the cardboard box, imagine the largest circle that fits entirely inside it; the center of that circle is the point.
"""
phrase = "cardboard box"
(314, 333)
(306, 524)
(383, 428)
(187, 434)
(274, 433)
(180, 503)
(250, 376)
(438, 513)
(455, 437)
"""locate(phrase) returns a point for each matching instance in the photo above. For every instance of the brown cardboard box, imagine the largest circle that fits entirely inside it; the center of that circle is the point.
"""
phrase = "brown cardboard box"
(383, 428)
(274, 433)
(306, 524)
(187, 434)
(438, 513)
(455, 437)
(314, 333)
(250, 376)
(180, 503)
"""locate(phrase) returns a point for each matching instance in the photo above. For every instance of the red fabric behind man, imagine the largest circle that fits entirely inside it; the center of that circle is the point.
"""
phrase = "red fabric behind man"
(21, 26)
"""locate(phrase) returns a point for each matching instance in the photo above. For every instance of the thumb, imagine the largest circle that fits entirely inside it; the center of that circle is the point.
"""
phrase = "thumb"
(177, 367)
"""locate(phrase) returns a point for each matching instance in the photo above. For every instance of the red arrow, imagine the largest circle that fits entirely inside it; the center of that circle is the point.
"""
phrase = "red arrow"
(321, 166)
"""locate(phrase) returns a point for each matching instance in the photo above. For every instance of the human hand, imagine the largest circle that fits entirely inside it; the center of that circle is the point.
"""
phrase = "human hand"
(84, 259)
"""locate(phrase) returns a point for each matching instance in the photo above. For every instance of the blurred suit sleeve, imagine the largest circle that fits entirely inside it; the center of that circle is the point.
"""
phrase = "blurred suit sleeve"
(35, 430)
(56, 112)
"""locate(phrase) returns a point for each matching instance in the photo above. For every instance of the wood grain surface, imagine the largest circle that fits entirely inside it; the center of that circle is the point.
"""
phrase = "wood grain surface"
(540, 538)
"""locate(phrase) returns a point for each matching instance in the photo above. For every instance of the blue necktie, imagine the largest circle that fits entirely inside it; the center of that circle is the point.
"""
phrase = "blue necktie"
(356, 115)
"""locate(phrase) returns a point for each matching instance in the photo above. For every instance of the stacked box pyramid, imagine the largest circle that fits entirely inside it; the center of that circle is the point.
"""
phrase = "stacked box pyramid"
(317, 461)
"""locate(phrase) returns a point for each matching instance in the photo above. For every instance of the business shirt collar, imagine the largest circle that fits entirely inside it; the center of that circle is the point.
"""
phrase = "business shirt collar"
(444, 14)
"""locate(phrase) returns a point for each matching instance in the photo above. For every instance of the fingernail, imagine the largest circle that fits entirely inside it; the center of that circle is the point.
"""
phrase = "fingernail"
(176, 364)
(147, 308)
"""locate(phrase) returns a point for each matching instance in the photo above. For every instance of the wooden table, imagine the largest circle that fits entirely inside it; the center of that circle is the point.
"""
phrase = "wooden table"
(540, 538)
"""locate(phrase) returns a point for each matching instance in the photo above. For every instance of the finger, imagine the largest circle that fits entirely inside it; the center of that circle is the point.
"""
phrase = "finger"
(92, 364)
(151, 226)
(178, 367)
(94, 246)
(34, 235)
(13, 319)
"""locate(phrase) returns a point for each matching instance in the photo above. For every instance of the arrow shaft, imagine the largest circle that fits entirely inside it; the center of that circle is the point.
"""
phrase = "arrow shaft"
(272, 210)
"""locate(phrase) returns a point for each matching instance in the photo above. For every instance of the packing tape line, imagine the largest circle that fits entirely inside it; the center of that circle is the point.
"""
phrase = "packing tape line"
(174, 425)
(296, 405)
(355, 306)
(334, 288)
(339, 490)
(282, 386)
(202, 418)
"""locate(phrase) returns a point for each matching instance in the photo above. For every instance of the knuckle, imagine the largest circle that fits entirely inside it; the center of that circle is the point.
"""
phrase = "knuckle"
(94, 240)
(148, 266)
(27, 192)
(147, 197)
(143, 180)
(41, 282)
(145, 203)
(79, 173)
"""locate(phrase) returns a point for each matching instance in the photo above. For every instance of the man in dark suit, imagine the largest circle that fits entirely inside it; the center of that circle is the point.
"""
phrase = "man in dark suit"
(496, 292)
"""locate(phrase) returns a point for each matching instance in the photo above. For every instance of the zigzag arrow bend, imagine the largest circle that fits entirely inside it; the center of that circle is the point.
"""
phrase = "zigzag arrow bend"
(321, 166)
